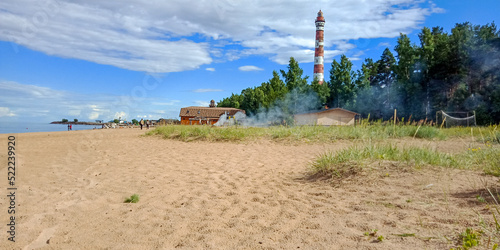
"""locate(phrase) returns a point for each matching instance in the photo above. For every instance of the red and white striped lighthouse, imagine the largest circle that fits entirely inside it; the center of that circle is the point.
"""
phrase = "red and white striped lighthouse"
(318, 51)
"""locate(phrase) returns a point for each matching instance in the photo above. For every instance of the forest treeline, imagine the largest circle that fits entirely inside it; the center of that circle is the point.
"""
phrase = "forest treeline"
(454, 72)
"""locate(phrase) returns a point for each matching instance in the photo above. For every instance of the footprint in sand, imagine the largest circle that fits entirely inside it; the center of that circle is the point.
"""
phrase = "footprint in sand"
(42, 239)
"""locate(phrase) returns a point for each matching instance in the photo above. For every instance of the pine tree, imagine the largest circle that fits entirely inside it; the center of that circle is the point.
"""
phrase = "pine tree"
(342, 83)
(321, 90)
(368, 73)
(293, 77)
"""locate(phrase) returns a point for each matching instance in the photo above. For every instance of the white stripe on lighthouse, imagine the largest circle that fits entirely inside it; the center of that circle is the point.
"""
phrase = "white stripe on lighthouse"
(318, 60)
(318, 76)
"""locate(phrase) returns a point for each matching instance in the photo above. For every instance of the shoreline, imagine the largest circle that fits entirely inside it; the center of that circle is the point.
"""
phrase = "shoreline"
(24, 128)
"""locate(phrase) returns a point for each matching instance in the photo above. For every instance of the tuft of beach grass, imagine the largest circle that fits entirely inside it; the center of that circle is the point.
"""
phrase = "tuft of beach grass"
(344, 161)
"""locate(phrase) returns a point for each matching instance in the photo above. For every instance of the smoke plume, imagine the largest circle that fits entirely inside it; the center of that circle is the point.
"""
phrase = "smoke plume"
(280, 113)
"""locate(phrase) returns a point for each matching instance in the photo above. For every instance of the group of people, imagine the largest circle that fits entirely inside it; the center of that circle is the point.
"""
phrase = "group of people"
(70, 127)
(146, 122)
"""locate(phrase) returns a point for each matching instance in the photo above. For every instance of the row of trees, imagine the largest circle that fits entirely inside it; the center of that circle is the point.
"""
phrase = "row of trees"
(457, 71)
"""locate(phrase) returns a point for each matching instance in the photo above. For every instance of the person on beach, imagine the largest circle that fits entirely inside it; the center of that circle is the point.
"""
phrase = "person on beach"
(141, 123)
(147, 123)
(69, 127)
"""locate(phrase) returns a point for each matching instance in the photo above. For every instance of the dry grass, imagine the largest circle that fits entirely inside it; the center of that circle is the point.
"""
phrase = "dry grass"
(366, 131)
(335, 163)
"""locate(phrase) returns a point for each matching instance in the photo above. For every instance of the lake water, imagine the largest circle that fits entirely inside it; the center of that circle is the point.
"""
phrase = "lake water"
(27, 127)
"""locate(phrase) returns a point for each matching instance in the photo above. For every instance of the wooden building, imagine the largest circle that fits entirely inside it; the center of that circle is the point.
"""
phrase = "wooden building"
(327, 117)
(205, 115)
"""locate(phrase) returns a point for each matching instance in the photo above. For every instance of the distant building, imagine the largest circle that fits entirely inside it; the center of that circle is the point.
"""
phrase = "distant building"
(205, 115)
(163, 122)
(327, 117)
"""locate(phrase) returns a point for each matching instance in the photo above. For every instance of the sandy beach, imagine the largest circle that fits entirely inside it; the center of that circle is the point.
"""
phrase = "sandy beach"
(71, 188)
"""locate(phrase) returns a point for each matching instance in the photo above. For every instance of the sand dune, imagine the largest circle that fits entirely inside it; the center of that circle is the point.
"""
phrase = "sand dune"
(252, 195)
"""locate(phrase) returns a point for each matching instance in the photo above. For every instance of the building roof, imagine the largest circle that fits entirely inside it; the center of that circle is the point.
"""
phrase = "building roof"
(209, 112)
(329, 110)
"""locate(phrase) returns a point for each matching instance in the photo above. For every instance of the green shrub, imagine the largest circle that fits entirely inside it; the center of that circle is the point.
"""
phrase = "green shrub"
(470, 238)
(132, 199)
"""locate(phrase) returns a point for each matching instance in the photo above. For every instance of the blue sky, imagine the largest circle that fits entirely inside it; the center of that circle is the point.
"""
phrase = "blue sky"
(146, 59)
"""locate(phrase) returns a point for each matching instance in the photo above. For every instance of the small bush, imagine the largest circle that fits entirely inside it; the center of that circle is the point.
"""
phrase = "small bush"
(380, 238)
(132, 199)
(329, 166)
(470, 238)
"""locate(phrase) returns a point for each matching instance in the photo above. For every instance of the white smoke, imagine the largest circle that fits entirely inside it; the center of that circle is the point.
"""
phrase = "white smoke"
(226, 120)
(222, 120)
(280, 113)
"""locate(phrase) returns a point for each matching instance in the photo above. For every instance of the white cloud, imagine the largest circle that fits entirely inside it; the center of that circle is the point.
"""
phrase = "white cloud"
(4, 111)
(356, 56)
(121, 115)
(93, 115)
(206, 90)
(210, 69)
(103, 34)
(384, 44)
(202, 103)
(154, 36)
(170, 103)
(249, 68)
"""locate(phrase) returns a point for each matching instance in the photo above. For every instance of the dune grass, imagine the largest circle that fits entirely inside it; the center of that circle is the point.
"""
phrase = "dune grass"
(348, 161)
(376, 131)
(206, 133)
